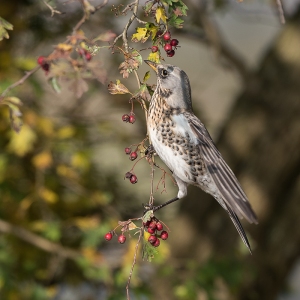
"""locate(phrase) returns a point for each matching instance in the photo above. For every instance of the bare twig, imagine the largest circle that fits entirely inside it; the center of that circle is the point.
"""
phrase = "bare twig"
(38, 241)
(280, 11)
(133, 263)
(20, 81)
(53, 11)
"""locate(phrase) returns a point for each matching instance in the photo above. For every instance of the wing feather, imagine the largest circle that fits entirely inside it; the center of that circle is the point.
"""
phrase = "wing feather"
(228, 185)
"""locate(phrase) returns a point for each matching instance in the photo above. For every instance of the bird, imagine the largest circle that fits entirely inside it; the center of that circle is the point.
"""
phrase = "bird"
(183, 143)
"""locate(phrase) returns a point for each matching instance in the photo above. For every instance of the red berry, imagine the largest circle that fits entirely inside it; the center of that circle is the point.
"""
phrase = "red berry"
(152, 225)
(168, 47)
(159, 226)
(132, 119)
(146, 224)
(108, 236)
(128, 175)
(46, 67)
(125, 118)
(174, 42)
(88, 56)
(151, 230)
(164, 235)
(154, 49)
(122, 239)
(41, 60)
(133, 155)
(133, 179)
(152, 239)
(167, 36)
(170, 53)
(127, 150)
(157, 243)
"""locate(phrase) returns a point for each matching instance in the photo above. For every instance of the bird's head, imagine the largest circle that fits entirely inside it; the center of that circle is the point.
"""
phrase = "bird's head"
(175, 83)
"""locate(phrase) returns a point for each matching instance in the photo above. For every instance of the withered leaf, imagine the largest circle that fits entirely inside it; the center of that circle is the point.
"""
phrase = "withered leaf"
(117, 88)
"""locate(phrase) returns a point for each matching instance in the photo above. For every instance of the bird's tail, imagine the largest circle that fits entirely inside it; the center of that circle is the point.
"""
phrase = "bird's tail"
(234, 218)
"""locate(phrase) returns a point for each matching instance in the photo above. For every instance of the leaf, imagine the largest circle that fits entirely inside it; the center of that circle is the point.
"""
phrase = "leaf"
(160, 15)
(4, 26)
(154, 57)
(15, 113)
(55, 85)
(132, 226)
(176, 22)
(140, 35)
(147, 76)
(42, 160)
(143, 93)
(117, 88)
(64, 47)
(153, 29)
(105, 37)
(22, 143)
(48, 195)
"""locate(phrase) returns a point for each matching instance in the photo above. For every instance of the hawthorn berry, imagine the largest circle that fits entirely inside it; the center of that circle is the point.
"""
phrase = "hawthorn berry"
(122, 239)
(133, 179)
(152, 225)
(174, 42)
(164, 235)
(159, 226)
(167, 36)
(152, 239)
(108, 236)
(156, 243)
(168, 47)
(88, 56)
(127, 150)
(125, 118)
(154, 49)
(146, 224)
(41, 60)
(133, 155)
(131, 119)
(170, 53)
(128, 175)
(151, 230)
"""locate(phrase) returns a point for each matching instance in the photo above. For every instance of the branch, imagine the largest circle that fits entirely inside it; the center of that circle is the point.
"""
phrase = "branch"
(21, 81)
(38, 241)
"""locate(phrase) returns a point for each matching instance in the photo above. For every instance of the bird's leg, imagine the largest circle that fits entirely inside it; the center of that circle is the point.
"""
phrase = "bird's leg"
(155, 208)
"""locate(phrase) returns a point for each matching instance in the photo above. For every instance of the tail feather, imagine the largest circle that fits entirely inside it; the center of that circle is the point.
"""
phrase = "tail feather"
(234, 218)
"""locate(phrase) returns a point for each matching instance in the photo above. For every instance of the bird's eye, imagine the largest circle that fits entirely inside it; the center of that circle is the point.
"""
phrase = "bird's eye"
(164, 73)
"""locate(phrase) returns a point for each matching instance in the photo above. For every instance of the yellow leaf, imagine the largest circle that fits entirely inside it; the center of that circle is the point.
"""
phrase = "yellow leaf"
(65, 171)
(80, 161)
(22, 143)
(154, 57)
(66, 132)
(45, 125)
(48, 195)
(132, 226)
(160, 14)
(64, 47)
(42, 160)
(141, 35)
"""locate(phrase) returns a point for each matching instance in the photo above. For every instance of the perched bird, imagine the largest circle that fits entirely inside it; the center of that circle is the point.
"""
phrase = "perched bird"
(185, 146)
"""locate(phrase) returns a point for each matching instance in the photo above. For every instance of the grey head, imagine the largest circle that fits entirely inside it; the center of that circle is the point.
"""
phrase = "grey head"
(174, 84)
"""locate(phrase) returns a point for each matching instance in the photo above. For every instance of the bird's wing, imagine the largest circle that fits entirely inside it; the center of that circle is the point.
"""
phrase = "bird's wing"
(228, 185)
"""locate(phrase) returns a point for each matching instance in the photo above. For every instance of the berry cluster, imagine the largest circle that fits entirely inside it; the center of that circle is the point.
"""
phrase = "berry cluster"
(128, 118)
(121, 238)
(169, 45)
(84, 53)
(44, 63)
(132, 178)
(153, 226)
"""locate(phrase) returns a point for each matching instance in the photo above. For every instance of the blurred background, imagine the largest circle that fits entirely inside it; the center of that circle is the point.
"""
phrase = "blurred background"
(62, 181)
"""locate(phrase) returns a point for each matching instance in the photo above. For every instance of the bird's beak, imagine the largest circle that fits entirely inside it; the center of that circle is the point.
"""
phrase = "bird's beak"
(152, 64)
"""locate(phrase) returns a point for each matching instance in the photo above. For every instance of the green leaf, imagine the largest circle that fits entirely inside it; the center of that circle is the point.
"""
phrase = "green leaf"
(4, 26)
(153, 29)
(55, 85)
(176, 21)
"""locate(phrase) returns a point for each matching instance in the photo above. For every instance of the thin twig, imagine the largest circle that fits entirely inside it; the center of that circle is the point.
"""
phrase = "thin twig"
(281, 12)
(20, 81)
(133, 263)
(38, 241)
(53, 11)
